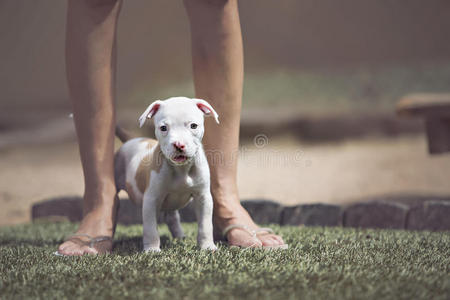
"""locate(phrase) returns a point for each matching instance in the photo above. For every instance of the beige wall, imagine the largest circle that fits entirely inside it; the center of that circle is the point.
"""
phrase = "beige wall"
(154, 40)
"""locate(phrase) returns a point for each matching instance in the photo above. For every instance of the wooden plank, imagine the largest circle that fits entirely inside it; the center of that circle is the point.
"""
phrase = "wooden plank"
(424, 105)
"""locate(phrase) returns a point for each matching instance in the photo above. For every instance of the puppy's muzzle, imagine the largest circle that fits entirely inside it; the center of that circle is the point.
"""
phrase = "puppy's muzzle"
(179, 147)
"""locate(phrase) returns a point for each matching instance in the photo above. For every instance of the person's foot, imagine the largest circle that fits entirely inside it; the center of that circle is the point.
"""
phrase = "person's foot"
(98, 222)
(232, 213)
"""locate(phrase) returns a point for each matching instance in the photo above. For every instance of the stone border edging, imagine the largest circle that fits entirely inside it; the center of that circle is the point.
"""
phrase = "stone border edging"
(431, 215)
(58, 127)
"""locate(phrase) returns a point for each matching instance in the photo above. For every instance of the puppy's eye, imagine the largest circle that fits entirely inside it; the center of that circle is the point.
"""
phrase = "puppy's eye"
(163, 128)
(194, 126)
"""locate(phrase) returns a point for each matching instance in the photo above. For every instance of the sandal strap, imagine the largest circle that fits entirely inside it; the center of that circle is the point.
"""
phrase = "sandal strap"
(91, 240)
(252, 232)
(99, 239)
(238, 226)
(264, 229)
(78, 235)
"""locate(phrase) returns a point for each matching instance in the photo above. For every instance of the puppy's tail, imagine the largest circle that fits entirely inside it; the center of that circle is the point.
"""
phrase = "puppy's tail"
(123, 135)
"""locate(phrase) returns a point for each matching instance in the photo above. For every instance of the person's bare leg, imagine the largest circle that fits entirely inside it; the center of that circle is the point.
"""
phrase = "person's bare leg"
(90, 60)
(218, 76)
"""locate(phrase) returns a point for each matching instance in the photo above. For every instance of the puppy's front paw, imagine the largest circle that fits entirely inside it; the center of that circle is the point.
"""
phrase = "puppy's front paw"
(208, 246)
(152, 249)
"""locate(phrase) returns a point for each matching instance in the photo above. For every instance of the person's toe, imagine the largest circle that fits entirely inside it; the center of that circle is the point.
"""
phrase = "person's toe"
(67, 249)
(279, 239)
(246, 243)
(62, 248)
(88, 250)
(252, 243)
(271, 240)
(73, 249)
(76, 251)
(80, 250)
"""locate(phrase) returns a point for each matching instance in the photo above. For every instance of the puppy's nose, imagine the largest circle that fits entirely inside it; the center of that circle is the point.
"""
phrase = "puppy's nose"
(179, 146)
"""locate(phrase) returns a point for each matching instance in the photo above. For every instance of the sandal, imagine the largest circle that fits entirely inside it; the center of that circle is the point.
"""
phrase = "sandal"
(103, 244)
(254, 234)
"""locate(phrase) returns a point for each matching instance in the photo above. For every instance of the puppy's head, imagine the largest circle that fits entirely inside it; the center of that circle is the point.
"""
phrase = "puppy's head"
(179, 126)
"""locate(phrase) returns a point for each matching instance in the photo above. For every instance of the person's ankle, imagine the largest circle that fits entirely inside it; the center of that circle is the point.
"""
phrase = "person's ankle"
(225, 194)
(231, 213)
(225, 211)
(227, 206)
(97, 222)
(100, 200)
(99, 213)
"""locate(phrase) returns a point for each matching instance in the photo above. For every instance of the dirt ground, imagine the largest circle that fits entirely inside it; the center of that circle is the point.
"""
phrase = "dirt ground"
(282, 170)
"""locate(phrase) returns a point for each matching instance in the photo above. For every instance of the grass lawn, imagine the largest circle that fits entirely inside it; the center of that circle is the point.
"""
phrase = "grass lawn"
(330, 263)
(350, 89)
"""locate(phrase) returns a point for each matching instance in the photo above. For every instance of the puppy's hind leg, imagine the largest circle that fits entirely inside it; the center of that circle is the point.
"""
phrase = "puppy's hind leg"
(172, 219)
(119, 171)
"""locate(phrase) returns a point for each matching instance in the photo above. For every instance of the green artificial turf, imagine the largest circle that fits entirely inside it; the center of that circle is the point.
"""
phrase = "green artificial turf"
(330, 263)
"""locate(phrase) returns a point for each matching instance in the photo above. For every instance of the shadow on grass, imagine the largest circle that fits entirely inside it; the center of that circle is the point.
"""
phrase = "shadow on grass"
(29, 242)
(133, 245)
(125, 246)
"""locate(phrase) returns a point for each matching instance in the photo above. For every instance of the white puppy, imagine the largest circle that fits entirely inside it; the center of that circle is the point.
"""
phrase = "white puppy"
(164, 175)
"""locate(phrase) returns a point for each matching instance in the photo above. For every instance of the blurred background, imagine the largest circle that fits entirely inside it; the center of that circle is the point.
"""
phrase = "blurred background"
(322, 79)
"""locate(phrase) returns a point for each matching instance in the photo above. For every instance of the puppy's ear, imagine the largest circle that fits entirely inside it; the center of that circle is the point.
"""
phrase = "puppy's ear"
(207, 109)
(149, 112)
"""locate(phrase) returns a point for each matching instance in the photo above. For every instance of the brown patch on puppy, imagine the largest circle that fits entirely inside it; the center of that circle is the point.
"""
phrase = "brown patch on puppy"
(148, 164)
(131, 195)
(151, 161)
(150, 142)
